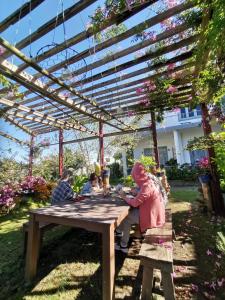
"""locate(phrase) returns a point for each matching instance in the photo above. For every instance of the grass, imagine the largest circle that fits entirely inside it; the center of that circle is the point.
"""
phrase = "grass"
(69, 266)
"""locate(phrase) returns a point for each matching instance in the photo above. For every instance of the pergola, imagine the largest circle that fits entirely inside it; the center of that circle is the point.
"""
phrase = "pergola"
(55, 104)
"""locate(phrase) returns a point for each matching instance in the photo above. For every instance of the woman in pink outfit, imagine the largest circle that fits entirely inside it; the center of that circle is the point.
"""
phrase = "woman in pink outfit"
(147, 208)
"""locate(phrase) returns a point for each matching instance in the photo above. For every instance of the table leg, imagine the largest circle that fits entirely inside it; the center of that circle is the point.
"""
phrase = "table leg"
(33, 247)
(108, 267)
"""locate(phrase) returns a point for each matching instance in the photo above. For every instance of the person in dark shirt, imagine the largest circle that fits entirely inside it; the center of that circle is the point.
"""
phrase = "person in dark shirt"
(63, 191)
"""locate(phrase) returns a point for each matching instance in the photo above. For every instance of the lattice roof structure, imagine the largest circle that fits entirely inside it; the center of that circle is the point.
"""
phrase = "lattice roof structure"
(50, 102)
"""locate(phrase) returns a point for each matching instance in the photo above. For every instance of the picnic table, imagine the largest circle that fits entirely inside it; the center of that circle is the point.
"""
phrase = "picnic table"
(101, 214)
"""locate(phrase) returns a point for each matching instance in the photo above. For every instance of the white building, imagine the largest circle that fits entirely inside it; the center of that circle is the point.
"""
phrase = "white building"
(173, 135)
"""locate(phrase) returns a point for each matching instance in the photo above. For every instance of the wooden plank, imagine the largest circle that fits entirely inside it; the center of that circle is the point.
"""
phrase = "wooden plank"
(43, 118)
(11, 71)
(17, 124)
(51, 24)
(38, 83)
(147, 284)
(108, 263)
(133, 74)
(19, 14)
(89, 32)
(175, 46)
(32, 249)
(168, 287)
(147, 23)
(7, 136)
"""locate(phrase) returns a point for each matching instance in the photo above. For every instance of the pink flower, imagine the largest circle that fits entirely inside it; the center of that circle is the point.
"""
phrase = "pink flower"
(176, 109)
(139, 90)
(171, 67)
(172, 89)
(130, 113)
(194, 288)
(209, 253)
(220, 282)
(213, 285)
(2, 50)
(204, 164)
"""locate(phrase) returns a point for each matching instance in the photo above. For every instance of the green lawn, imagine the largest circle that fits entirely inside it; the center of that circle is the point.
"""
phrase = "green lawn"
(69, 266)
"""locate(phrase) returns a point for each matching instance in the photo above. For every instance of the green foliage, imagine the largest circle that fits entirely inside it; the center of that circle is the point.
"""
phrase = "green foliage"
(79, 182)
(147, 162)
(185, 172)
(220, 242)
(128, 181)
(11, 170)
(115, 170)
(110, 32)
(48, 167)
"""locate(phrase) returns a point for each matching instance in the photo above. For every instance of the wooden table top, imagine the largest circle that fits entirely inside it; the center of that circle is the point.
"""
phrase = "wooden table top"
(98, 210)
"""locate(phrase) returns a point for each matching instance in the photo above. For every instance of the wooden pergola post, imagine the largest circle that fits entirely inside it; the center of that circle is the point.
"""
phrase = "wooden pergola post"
(217, 197)
(60, 152)
(31, 156)
(101, 144)
(154, 138)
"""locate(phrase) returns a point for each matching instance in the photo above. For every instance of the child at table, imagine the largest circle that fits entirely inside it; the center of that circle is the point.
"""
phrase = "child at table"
(91, 185)
(147, 208)
(63, 191)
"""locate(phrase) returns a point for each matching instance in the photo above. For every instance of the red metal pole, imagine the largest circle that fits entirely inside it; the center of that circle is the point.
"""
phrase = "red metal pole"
(101, 144)
(154, 137)
(31, 156)
(217, 196)
(60, 152)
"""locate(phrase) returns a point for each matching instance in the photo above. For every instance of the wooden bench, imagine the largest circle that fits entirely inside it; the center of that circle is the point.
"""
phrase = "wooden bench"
(43, 228)
(157, 253)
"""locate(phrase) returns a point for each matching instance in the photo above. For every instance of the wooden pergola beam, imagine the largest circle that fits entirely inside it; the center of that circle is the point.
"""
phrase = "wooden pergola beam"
(17, 124)
(20, 13)
(11, 71)
(146, 24)
(175, 46)
(7, 136)
(42, 118)
(50, 25)
(44, 72)
(180, 58)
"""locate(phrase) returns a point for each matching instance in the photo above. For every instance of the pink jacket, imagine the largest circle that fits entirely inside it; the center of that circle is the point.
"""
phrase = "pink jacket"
(149, 200)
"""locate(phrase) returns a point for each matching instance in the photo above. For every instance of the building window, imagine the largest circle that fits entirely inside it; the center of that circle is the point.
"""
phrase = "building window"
(163, 154)
(198, 110)
(183, 113)
(190, 112)
(148, 152)
(196, 155)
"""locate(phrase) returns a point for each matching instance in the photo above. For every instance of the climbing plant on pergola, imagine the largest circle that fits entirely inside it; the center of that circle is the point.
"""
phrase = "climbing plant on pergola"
(170, 79)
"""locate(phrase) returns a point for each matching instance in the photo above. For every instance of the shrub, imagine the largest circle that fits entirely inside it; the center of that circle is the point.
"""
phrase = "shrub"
(79, 182)
(147, 161)
(115, 170)
(8, 198)
(185, 172)
(128, 181)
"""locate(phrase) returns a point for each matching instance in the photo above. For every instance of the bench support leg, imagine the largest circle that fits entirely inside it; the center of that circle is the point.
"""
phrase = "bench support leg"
(147, 283)
(168, 287)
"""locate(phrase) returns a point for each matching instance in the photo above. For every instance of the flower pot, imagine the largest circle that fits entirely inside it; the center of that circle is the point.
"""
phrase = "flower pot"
(204, 178)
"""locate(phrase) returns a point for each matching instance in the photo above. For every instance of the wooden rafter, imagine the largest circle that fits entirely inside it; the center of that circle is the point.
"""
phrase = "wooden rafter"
(20, 13)
(52, 24)
(11, 71)
(7, 136)
(18, 124)
(39, 117)
(44, 72)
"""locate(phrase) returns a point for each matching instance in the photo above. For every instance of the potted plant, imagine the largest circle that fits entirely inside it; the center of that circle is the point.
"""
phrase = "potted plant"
(204, 170)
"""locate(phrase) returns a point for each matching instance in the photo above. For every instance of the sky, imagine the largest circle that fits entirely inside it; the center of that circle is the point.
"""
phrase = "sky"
(47, 10)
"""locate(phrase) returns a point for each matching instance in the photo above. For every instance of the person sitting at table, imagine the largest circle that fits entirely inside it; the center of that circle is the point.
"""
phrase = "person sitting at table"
(147, 208)
(63, 191)
(91, 185)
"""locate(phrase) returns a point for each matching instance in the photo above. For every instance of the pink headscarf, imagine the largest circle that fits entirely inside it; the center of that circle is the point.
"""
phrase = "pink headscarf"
(139, 174)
